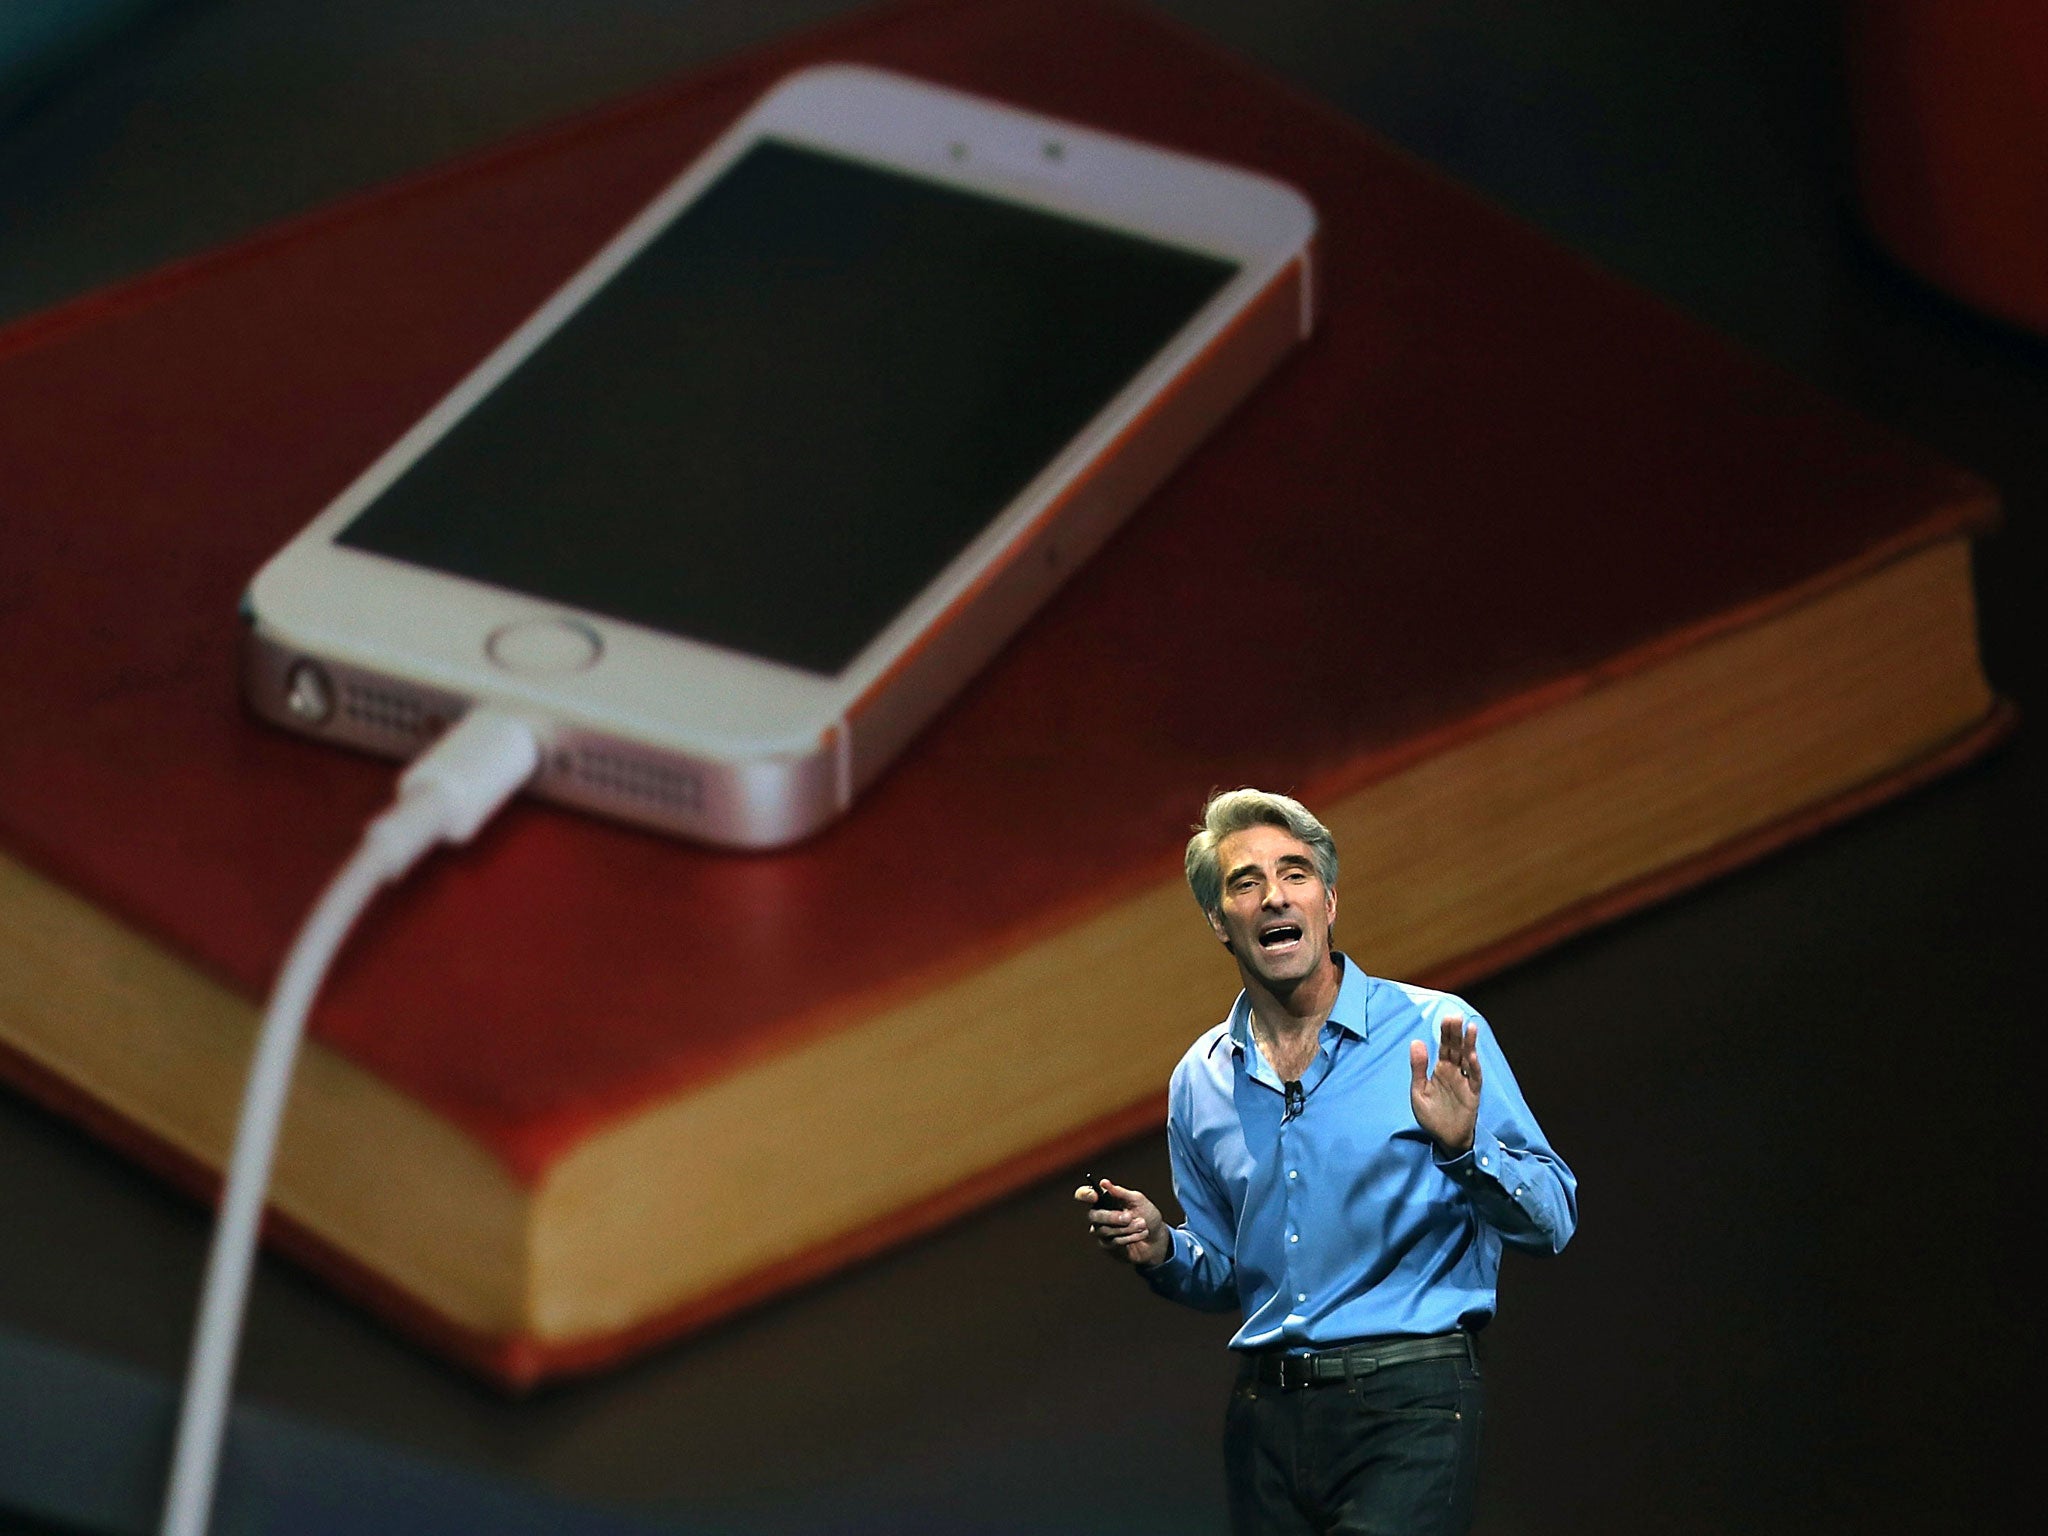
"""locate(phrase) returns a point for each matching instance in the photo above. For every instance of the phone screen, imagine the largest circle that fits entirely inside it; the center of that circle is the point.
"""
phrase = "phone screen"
(793, 408)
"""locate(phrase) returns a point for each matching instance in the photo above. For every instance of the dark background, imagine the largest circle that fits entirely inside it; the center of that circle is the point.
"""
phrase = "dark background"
(1794, 1098)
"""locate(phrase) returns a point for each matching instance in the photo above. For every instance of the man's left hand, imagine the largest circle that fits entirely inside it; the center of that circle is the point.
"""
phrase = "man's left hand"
(1446, 1101)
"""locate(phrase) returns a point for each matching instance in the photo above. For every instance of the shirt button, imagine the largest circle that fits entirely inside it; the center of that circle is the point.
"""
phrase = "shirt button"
(1294, 1237)
(1483, 1163)
(1292, 1174)
(1301, 1295)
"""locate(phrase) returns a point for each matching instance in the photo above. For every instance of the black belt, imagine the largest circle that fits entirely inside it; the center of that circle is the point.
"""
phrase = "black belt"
(1329, 1365)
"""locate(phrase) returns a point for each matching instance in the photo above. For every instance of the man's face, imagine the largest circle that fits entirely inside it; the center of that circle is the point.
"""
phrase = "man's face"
(1276, 912)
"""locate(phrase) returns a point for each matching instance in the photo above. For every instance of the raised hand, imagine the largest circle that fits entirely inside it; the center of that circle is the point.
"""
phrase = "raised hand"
(1446, 1101)
(1126, 1224)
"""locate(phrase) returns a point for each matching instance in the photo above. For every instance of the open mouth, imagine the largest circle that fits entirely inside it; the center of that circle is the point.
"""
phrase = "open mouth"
(1284, 933)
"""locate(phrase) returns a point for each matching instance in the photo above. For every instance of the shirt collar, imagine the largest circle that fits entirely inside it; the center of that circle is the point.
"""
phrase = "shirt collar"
(1351, 1013)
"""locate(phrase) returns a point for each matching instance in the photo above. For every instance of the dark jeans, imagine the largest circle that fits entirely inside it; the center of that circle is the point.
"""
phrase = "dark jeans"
(1394, 1453)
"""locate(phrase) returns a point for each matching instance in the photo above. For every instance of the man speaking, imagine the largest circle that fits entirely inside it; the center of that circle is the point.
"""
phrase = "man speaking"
(1351, 1154)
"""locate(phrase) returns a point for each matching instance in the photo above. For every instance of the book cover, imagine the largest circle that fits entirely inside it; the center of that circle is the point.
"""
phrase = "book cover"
(1501, 523)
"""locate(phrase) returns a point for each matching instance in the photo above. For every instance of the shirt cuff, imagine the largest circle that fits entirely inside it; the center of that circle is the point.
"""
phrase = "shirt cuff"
(1174, 1264)
(1482, 1158)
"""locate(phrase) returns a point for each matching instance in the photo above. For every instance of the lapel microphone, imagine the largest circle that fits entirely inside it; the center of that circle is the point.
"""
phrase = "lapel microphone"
(1292, 1104)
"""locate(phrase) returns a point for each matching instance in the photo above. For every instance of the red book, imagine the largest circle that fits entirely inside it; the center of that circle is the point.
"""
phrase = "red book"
(1550, 600)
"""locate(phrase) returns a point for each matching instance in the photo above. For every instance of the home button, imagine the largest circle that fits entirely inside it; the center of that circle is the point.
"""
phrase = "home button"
(544, 647)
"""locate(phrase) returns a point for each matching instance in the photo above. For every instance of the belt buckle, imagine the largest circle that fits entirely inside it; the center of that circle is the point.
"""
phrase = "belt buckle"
(1297, 1371)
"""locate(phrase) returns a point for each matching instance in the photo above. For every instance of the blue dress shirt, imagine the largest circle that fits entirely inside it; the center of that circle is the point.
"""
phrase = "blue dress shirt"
(1341, 1222)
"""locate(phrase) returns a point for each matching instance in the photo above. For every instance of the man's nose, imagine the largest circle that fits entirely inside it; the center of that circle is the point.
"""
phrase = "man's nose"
(1272, 895)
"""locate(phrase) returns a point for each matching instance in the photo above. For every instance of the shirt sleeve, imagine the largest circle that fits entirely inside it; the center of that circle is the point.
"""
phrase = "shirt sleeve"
(1202, 1270)
(1517, 1185)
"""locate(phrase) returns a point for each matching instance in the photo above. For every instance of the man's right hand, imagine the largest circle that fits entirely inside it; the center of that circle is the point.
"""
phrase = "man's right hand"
(1130, 1228)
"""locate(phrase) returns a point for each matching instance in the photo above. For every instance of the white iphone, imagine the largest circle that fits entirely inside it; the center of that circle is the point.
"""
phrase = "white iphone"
(750, 497)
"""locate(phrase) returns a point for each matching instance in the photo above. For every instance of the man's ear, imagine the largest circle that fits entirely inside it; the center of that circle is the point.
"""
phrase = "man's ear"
(1216, 927)
(1330, 908)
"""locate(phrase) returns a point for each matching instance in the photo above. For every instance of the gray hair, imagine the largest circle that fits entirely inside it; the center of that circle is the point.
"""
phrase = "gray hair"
(1235, 810)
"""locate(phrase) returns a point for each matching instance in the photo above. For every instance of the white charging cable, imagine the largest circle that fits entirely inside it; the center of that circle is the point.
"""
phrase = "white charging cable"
(444, 797)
